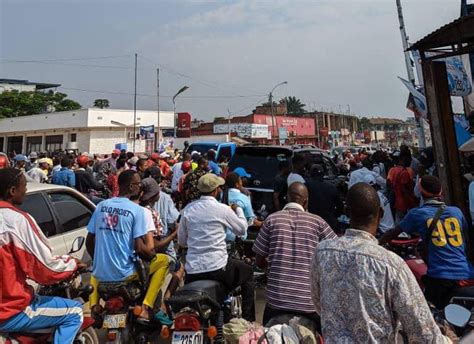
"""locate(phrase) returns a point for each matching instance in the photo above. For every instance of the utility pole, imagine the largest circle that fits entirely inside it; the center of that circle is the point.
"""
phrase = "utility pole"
(411, 75)
(135, 106)
(158, 127)
(228, 123)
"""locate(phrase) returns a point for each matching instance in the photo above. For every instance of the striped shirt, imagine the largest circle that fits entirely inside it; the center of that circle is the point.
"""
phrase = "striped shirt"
(288, 240)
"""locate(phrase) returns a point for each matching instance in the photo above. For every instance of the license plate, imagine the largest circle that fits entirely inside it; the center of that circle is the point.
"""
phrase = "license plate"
(187, 337)
(115, 321)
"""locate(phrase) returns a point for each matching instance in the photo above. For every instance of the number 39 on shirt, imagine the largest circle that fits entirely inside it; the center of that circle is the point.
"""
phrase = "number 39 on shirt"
(447, 231)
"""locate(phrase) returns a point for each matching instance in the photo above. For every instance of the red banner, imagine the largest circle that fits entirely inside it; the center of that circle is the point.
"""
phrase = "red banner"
(324, 131)
(184, 125)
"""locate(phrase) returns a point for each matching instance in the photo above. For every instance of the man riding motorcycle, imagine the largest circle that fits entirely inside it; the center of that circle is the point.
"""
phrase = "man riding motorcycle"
(117, 230)
(445, 246)
(25, 253)
(203, 230)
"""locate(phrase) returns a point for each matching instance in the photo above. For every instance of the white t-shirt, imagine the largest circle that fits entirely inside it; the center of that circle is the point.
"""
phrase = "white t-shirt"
(386, 223)
(149, 223)
(37, 174)
(295, 177)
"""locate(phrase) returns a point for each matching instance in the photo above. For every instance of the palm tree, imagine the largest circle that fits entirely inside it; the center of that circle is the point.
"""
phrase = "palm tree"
(294, 106)
(101, 103)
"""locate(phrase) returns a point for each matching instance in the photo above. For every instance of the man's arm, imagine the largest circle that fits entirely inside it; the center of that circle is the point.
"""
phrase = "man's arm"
(261, 247)
(276, 201)
(410, 306)
(35, 258)
(390, 235)
(160, 245)
(144, 246)
(90, 244)
(235, 221)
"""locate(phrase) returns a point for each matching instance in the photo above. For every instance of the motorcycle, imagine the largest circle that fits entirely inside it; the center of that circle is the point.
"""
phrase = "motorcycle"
(461, 319)
(200, 309)
(119, 316)
(409, 250)
(71, 289)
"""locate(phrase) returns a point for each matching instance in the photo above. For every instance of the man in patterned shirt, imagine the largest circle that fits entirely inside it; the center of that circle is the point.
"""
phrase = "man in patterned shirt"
(361, 290)
(286, 243)
(190, 189)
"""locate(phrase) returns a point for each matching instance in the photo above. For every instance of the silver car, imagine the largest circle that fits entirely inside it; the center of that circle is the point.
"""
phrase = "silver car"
(62, 213)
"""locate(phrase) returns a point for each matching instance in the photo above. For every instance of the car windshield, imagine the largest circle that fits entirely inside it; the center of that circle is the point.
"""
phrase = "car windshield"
(261, 163)
(202, 148)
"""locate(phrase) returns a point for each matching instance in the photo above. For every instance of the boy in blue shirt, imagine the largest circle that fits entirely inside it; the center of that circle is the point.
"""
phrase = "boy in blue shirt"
(448, 265)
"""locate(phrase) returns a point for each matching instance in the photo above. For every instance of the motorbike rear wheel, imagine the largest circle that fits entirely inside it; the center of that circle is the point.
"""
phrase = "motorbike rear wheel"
(88, 336)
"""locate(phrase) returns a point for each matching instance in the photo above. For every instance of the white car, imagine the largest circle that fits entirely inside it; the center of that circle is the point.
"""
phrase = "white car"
(62, 213)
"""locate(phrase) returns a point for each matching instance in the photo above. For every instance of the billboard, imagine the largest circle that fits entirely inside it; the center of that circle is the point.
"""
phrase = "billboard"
(183, 128)
(243, 130)
(146, 133)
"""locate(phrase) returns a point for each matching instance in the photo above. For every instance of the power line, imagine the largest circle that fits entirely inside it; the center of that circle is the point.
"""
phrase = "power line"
(70, 59)
(66, 64)
(161, 96)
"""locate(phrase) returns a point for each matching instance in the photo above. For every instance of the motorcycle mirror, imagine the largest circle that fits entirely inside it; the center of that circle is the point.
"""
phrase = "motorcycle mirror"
(77, 244)
(457, 315)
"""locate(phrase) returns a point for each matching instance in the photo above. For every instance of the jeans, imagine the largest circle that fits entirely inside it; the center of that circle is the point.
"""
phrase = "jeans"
(236, 273)
(63, 315)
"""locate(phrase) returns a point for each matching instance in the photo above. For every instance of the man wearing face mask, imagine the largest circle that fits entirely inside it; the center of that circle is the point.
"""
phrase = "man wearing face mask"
(203, 230)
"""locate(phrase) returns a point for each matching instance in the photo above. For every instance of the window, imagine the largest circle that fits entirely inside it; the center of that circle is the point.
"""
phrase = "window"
(2, 140)
(35, 205)
(73, 137)
(225, 152)
(15, 144)
(54, 143)
(33, 144)
(71, 212)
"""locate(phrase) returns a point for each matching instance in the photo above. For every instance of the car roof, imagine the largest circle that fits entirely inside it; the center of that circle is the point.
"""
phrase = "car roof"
(294, 148)
(32, 187)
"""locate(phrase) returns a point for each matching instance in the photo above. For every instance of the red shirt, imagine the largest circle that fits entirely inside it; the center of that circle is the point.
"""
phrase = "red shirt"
(112, 184)
(401, 182)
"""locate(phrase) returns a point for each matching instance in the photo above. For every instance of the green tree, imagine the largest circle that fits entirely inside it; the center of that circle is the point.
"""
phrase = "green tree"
(101, 103)
(364, 123)
(294, 106)
(15, 104)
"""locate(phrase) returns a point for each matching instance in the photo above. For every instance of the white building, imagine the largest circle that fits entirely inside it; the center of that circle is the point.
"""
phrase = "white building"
(88, 130)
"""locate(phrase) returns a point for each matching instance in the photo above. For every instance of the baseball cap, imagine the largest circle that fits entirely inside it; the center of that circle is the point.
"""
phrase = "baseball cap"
(133, 160)
(164, 155)
(20, 157)
(154, 156)
(242, 172)
(116, 151)
(33, 155)
(209, 182)
(150, 189)
(82, 160)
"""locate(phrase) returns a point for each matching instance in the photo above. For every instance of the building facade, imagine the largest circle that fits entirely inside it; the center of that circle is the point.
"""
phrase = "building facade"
(91, 130)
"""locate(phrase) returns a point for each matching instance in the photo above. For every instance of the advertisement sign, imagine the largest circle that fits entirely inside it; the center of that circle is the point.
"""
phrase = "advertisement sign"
(324, 131)
(243, 130)
(458, 81)
(282, 133)
(146, 133)
(183, 128)
(418, 98)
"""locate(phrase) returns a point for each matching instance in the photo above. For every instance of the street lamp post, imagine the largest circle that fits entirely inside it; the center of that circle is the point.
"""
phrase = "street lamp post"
(270, 99)
(181, 90)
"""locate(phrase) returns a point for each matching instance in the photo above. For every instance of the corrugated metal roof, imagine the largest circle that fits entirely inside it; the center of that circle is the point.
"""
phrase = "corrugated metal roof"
(459, 31)
(39, 85)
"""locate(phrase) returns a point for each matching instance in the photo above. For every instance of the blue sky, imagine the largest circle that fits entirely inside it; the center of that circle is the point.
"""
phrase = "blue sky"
(230, 53)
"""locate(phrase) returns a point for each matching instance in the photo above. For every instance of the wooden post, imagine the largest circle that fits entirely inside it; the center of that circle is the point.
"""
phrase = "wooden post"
(442, 131)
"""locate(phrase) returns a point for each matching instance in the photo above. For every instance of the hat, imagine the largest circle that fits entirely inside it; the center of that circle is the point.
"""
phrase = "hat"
(45, 161)
(154, 156)
(242, 173)
(116, 151)
(82, 160)
(209, 182)
(164, 155)
(133, 160)
(20, 157)
(150, 189)
(143, 156)
(33, 155)
(195, 153)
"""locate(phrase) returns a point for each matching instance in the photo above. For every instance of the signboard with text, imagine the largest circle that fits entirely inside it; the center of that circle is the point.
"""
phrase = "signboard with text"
(183, 128)
(243, 130)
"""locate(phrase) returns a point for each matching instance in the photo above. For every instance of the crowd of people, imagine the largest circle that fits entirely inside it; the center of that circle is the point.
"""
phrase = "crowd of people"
(350, 287)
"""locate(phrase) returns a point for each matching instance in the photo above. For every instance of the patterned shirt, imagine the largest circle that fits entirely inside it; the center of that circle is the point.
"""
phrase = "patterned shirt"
(362, 292)
(190, 190)
(288, 239)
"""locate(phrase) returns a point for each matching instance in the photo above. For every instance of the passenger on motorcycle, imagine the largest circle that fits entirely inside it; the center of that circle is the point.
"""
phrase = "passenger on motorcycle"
(25, 253)
(448, 265)
(117, 231)
(286, 243)
(233, 195)
(203, 230)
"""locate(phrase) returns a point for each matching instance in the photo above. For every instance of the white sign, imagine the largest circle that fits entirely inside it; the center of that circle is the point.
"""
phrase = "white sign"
(419, 98)
(243, 130)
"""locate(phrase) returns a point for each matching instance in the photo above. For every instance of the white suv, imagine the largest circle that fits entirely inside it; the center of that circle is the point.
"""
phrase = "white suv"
(62, 214)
